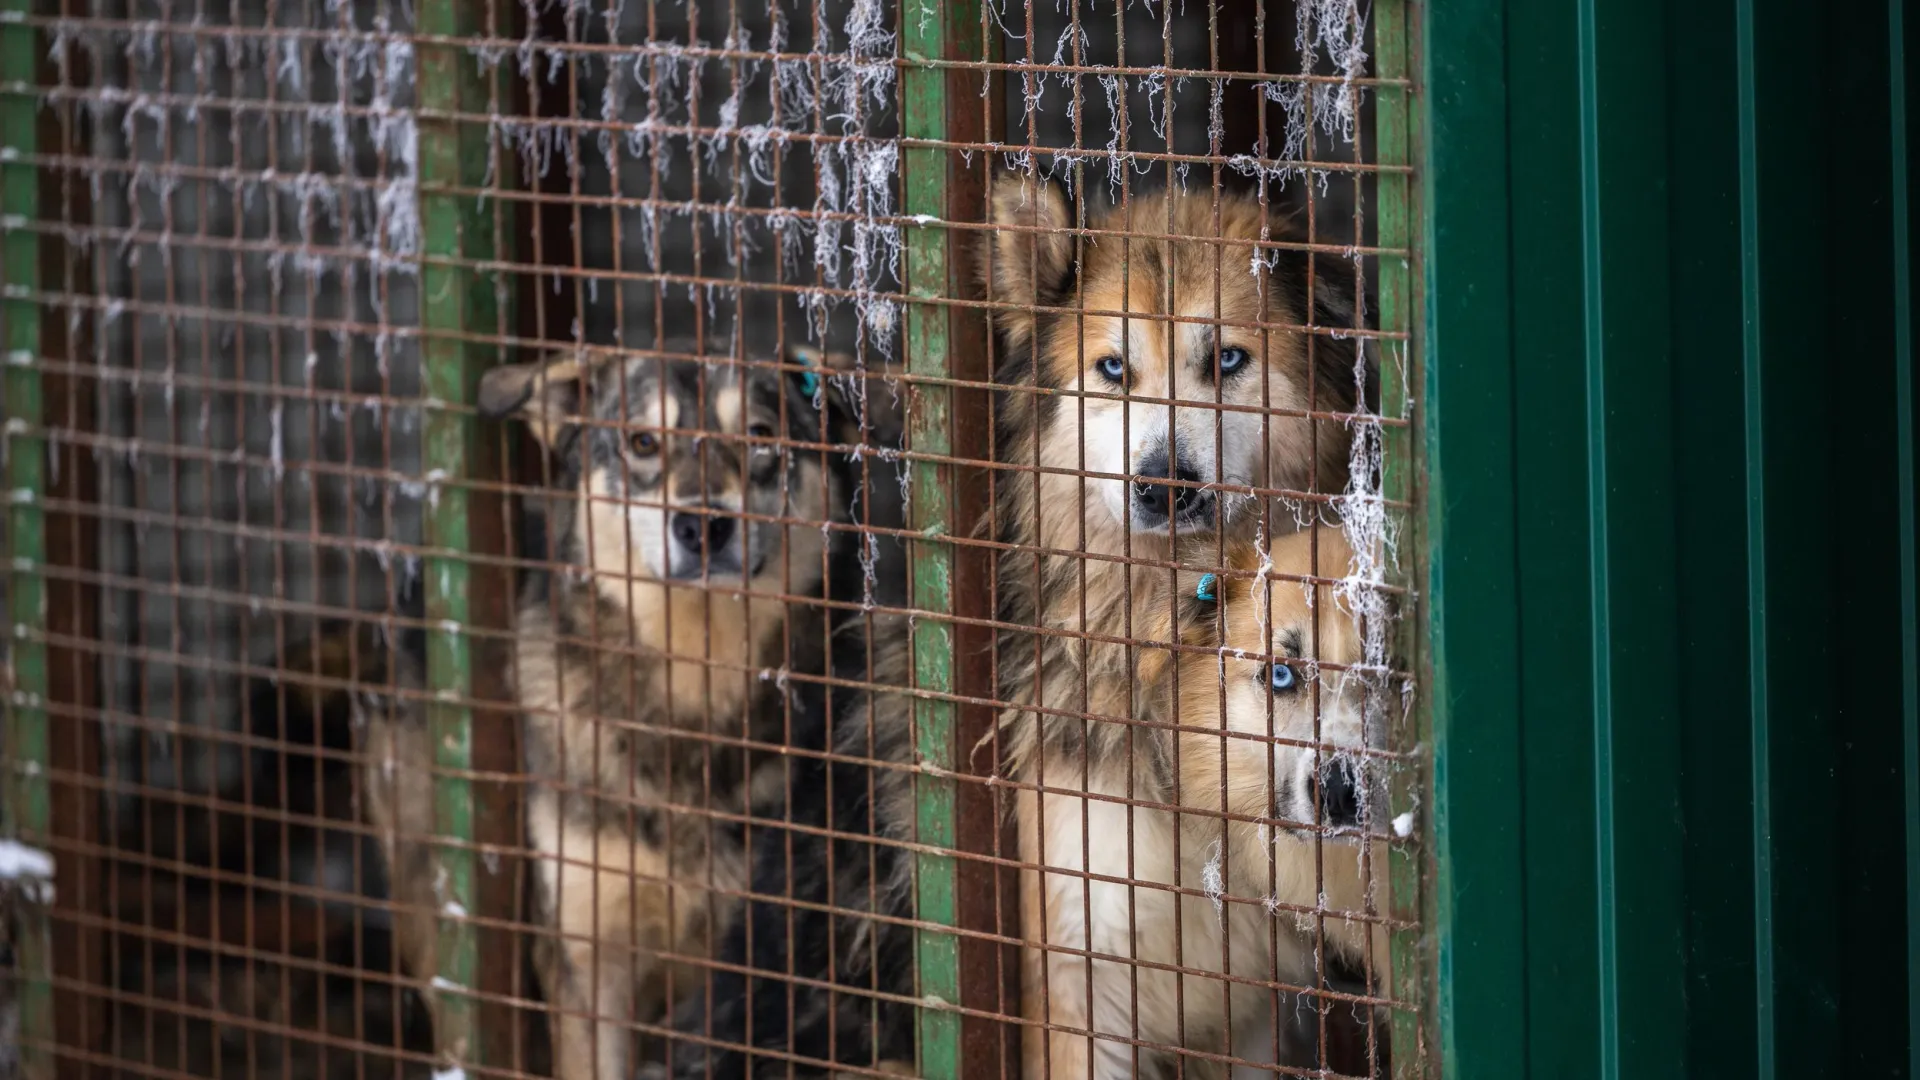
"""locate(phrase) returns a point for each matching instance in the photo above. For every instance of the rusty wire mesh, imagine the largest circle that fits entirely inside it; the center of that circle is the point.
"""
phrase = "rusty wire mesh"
(276, 251)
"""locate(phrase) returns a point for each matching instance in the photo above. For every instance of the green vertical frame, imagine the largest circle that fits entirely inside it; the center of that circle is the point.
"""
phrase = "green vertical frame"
(926, 34)
(1478, 907)
(946, 344)
(27, 807)
(1635, 747)
(1393, 119)
(455, 299)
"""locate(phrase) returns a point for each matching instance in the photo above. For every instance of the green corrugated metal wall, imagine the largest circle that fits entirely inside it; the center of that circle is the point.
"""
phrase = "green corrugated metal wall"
(1668, 427)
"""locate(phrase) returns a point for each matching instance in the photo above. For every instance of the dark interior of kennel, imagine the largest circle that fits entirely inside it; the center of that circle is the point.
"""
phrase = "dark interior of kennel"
(202, 360)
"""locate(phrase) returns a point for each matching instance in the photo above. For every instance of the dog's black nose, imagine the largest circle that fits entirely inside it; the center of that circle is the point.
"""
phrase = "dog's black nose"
(1155, 503)
(1339, 792)
(689, 530)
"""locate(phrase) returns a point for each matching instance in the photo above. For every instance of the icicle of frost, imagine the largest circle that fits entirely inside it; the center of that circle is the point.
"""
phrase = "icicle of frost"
(397, 231)
(1213, 881)
(1156, 88)
(1335, 30)
(276, 454)
(613, 101)
(1361, 594)
(1340, 28)
(1117, 108)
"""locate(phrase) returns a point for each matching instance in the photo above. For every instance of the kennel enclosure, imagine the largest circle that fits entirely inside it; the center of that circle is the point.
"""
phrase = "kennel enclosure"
(1640, 292)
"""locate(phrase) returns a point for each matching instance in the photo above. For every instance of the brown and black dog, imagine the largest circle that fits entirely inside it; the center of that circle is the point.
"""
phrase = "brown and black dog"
(691, 526)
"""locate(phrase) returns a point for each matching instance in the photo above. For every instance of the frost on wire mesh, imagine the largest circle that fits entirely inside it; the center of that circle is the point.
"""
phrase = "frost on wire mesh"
(752, 145)
(255, 210)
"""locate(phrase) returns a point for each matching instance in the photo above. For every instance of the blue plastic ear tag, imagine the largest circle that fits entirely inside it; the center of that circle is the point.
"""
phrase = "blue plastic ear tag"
(1206, 587)
(809, 381)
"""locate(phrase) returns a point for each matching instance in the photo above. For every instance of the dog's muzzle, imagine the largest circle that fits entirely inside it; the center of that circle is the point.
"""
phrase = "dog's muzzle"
(1157, 506)
(706, 540)
(1338, 790)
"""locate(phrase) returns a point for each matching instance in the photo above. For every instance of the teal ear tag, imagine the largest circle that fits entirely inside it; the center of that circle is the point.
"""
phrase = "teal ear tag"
(1205, 591)
(809, 381)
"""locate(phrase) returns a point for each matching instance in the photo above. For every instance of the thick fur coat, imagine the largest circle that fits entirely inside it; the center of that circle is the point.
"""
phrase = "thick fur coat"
(695, 511)
(1164, 353)
(820, 971)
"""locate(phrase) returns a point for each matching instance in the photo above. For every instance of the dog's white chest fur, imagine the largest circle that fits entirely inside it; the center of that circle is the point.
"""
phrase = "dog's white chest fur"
(1137, 923)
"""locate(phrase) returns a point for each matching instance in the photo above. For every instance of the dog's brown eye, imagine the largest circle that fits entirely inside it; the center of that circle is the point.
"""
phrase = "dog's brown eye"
(644, 444)
(760, 431)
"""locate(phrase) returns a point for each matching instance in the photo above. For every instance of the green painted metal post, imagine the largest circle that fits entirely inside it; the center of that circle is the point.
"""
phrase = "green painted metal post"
(1560, 796)
(27, 807)
(941, 105)
(930, 354)
(1393, 117)
(1628, 497)
(1478, 912)
(458, 232)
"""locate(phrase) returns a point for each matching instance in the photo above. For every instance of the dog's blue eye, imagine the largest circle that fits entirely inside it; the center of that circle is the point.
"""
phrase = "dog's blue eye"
(1114, 368)
(1232, 360)
(1282, 678)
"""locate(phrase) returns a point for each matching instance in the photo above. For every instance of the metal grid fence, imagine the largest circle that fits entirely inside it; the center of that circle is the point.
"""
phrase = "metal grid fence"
(593, 539)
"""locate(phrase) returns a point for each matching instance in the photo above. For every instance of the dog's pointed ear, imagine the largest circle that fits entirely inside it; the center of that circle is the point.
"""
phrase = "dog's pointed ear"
(1028, 258)
(548, 395)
